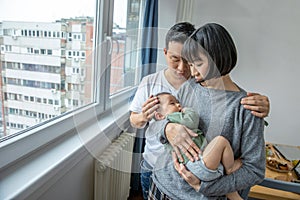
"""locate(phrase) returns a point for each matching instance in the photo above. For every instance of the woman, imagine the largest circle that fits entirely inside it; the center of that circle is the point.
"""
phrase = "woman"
(212, 55)
(171, 79)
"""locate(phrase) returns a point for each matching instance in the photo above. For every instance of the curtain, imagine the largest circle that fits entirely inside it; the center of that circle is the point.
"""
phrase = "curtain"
(149, 59)
(149, 38)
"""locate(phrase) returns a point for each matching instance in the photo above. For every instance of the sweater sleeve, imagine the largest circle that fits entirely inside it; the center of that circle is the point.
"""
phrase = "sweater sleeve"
(158, 128)
(252, 153)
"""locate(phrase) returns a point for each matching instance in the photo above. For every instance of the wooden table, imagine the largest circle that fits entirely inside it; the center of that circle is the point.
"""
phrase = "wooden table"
(261, 192)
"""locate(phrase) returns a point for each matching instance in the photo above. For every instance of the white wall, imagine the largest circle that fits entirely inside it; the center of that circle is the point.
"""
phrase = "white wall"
(266, 33)
(76, 184)
(166, 18)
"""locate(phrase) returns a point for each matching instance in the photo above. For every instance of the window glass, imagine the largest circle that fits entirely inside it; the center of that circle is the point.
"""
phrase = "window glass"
(124, 46)
(37, 74)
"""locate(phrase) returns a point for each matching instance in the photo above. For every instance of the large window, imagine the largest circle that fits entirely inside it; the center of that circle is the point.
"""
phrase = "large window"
(50, 61)
(36, 66)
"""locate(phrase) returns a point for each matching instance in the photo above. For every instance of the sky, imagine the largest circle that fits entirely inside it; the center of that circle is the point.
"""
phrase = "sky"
(44, 11)
(51, 10)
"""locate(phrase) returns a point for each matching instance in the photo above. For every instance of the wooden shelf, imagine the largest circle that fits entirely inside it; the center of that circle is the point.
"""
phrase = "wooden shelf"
(261, 192)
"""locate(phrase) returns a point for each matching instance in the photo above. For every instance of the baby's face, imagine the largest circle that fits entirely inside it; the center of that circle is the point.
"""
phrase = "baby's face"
(168, 104)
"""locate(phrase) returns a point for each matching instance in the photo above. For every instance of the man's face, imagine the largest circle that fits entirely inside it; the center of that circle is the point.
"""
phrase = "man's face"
(179, 69)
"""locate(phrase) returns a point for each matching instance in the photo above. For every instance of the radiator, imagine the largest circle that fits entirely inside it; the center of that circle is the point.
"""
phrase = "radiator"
(113, 169)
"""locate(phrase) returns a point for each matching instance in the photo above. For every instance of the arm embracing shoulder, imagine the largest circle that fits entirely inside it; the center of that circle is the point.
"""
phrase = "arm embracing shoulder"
(252, 153)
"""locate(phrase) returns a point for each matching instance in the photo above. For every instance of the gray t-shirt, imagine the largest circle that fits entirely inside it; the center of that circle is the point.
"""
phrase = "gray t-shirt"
(220, 114)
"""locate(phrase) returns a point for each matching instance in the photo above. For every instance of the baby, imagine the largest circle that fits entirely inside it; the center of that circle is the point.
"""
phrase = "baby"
(217, 151)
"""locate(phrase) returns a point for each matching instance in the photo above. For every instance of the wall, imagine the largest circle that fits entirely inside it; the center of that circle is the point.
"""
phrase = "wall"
(166, 18)
(267, 37)
(76, 184)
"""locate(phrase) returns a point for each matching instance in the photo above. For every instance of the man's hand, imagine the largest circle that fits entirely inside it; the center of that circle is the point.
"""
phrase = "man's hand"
(258, 104)
(180, 138)
(188, 176)
(139, 120)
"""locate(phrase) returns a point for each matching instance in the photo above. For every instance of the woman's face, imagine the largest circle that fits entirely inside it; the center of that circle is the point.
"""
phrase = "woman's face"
(199, 67)
(179, 69)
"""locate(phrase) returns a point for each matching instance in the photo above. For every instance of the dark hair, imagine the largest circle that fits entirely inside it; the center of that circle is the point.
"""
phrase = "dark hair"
(214, 41)
(179, 32)
(161, 93)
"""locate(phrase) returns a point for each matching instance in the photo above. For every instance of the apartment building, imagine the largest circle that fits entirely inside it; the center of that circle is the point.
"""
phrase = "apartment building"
(78, 68)
(46, 70)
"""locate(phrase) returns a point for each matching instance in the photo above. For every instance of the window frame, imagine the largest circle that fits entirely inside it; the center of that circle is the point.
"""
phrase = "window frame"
(16, 147)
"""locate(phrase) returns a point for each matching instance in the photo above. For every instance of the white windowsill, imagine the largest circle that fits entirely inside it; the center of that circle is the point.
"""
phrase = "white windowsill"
(20, 179)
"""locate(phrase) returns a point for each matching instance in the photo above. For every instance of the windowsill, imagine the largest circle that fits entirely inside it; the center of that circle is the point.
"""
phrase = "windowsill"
(23, 177)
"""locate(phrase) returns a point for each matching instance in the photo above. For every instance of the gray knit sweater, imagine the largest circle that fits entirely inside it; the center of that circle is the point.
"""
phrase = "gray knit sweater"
(220, 114)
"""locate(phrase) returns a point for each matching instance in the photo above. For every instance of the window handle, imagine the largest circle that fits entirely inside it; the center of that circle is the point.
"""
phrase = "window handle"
(111, 39)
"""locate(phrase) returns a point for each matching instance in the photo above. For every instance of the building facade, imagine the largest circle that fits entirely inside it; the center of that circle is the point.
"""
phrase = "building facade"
(46, 70)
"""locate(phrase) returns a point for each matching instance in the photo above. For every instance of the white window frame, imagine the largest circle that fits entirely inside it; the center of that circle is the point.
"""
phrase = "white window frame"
(47, 151)
(34, 138)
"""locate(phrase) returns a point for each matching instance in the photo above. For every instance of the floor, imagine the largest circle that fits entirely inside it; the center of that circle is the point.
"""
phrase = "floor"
(135, 195)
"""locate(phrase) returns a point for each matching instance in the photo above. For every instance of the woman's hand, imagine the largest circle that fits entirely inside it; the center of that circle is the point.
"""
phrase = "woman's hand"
(180, 138)
(258, 104)
(139, 120)
(188, 176)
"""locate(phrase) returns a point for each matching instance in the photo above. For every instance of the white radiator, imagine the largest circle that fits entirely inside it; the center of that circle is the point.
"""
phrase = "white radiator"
(113, 169)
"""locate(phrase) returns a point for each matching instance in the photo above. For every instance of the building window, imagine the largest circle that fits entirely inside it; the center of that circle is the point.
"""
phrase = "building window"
(50, 101)
(8, 48)
(75, 102)
(49, 52)
(36, 51)
(38, 100)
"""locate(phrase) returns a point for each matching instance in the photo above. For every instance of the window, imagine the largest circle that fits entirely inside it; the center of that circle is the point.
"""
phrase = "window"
(51, 91)
(49, 52)
(124, 49)
(36, 51)
(44, 85)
